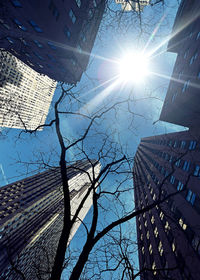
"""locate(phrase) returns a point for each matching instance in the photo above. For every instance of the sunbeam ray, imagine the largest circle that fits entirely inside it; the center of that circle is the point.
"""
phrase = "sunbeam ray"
(93, 103)
(175, 80)
(154, 32)
(187, 23)
(99, 86)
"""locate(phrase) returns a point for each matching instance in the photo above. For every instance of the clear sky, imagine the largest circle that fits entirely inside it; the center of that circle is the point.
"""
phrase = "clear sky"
(111, 43)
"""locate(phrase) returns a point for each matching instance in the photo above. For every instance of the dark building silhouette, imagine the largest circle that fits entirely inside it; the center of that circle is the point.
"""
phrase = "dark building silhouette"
(167, 167)
(55, 38)
(182, 102)
(31, 219)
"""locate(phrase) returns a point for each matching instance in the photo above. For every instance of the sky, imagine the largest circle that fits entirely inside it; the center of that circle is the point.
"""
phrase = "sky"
(18, 154)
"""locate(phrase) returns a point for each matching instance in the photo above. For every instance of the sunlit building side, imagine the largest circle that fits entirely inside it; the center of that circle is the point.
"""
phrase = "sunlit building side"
(54, 38)
(25, 95)
(31, 219)
(136, 5)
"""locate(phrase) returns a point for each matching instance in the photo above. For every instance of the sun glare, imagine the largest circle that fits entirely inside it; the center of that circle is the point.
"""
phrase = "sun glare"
(133, 67)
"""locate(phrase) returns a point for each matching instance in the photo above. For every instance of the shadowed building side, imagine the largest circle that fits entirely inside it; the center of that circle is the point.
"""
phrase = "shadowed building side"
(182, 102)
(54, 38)
(169, 234)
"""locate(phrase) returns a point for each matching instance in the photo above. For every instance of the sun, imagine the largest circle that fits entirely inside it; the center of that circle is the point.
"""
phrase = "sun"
(133, 67)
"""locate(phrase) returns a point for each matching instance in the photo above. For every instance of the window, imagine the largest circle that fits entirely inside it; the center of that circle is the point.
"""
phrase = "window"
(67, 32)
(197, 171)
(178, 162)
(185, 86)
(192, 145)
(172, 179)
(152, 219)
(38, 43)
(78, 2)
(154, 268)
(39, 56)
(198, 36)
(186, 53)
(73, 61)
(53, 8)
(193, 58)
(183, 144)
(160, 248)
(72, 16)
(191, 197)
(51, 57)
(51, 45)
(82, 36)
(143, 250)
(180, 186)
(35, 26)
(196, 244)
(16, 3)
(4, 24)
(174, 96)
(10, 40)
(150, 249)
(79, 48)
(24, 42)
(186, 165)
(90, 14)
(173, 247)
(167, 226)
(156, 232)
(161, 215)
(182, 224)
(19, 24)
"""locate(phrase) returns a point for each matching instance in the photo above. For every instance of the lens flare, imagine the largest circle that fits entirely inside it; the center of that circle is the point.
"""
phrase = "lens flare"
(133, 67)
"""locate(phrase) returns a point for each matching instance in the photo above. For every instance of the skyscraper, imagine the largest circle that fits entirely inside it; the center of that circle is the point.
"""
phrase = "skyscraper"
(25, 95)
(31, 218)
(168, 234)
(167, 167)
(54, 38)
(182, 102)
(133, 5)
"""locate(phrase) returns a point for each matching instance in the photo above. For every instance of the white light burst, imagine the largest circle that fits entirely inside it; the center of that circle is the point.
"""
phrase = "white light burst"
(133, 67)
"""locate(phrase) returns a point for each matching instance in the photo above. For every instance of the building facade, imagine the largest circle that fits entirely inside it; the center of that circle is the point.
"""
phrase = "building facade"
(25, 95)
(182, 102)
(54, 38)
(167, 167)
(31, 219)
(168, 234)
(135, 5)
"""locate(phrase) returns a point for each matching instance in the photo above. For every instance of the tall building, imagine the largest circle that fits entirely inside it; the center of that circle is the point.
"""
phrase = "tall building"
(133, 5)
(25, 95)
(169, 234)
(31, 219)
(54, 38)
(182, 102)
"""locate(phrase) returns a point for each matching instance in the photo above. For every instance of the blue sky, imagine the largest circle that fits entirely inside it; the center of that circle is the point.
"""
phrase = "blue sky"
(111, 44)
